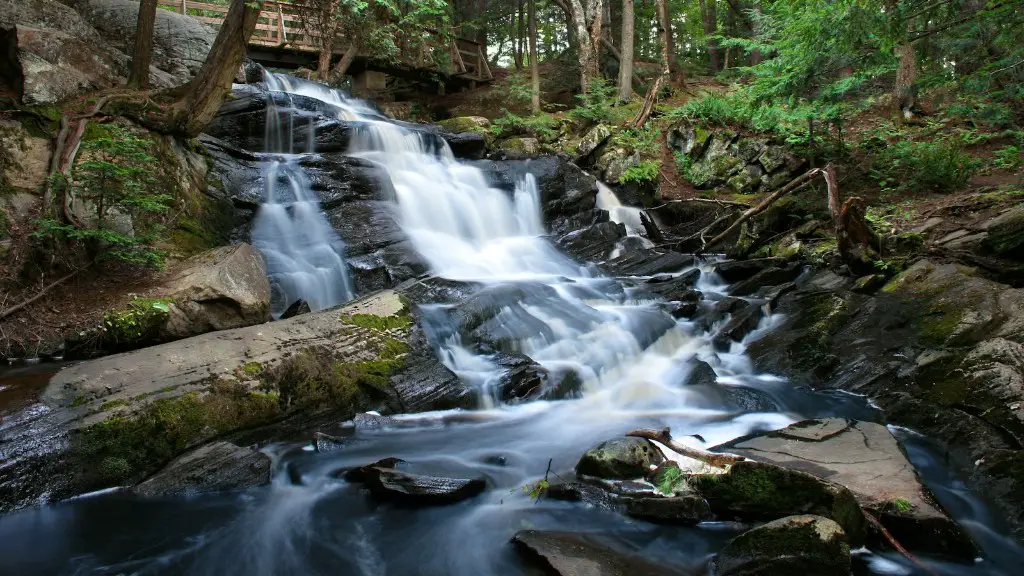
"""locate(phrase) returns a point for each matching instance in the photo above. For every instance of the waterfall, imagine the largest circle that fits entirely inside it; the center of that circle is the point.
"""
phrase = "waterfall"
(305, 257)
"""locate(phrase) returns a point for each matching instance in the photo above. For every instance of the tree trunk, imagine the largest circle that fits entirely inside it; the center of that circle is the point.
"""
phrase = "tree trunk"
(596, 16)
(342, 67)
(139, 75)
(709, 13)
(661, 10)
(626, 61)
(905, 90)
(204, 94)
(534, 72)
(670, 39)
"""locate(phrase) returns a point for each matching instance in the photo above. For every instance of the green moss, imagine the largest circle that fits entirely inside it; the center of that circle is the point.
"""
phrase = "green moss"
(163, 390)
(137, 323)
(252, 369)
(378, 323)
(207, 225)
(939, 325)
(111, 404)
(79, 400)
(824, 314)
(130, 446)
(458, 125)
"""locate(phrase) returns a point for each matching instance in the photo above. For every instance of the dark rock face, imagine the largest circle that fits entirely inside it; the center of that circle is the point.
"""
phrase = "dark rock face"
(297, 308)
(565, 189)
(766, 278)
(937, 348)
(761, 491)
(466, 145)
(792, 545)
(701, 373)
(215, 467)
(647, 262)
(571, 554)
(741, 323)
(594, 243)
(413, 489)
(620, 458)
(527, 380)
(736, 270)
(682, 509)
(865, 458)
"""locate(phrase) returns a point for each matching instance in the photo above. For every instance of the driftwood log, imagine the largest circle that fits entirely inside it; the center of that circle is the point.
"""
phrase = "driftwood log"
(664, 436)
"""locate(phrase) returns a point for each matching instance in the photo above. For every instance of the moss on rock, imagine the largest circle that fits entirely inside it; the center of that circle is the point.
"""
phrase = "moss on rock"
(136, 323)
(792, 545)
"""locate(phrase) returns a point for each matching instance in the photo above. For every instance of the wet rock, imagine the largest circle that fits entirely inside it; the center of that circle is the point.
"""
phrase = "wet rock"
(765, 278)
(763, 491)
(412, 489)
(215, 467)
(689, 139)
(566, 191)
(685, 509)
(588, 494)
(648, 262)
(870, 283)
(701, 373)
(737, 270)
(363, 474)
(594, 243)
(297, 308)
(792, 545)
(865, 458)
(620, 458)
(466, 145)
(572, 554)
(525, 379)
(518, 148)
(220, 289)
(741, 323)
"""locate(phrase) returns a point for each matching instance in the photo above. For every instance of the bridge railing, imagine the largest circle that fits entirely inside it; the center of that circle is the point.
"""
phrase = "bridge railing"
(280, 26)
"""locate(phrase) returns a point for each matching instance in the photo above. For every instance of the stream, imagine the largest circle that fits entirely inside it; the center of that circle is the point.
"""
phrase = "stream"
(630, 357)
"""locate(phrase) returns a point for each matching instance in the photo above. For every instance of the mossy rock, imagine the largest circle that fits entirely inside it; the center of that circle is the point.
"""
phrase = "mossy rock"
(519, 148)
(792, 545)
(1006, 238)
(760, 491)
(475, 124)
(620, 458)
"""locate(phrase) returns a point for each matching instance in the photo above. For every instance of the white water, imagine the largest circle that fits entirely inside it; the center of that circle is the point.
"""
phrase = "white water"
(305, 257)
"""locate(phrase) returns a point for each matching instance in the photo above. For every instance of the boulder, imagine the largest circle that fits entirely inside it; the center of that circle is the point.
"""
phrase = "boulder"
(393, 485)
(220, 383)
(180, 42)
(297, 308)
(594, 243)
(865, 458)
(475, 124)
(766, 278)
(591, 141)
(763, 491)
(524, 379)
(648, 262)
(566, 191)
(792, 545)
(620, 458)
(215, 467)
(466, 145)
(572, 554)
(736, 270)
(684, 509)
(700, 373)
(518, 148)
(47, 66)
(1006, 235)
(220, 289)
(689, 139)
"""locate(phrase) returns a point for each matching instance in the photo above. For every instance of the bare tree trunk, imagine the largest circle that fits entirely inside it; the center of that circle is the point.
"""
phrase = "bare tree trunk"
(342, 66)
(596, 16)
(138, 77)
(709, 15)
(675, 71)
(626, 61)
(194, 111)
(534, 72)
(905, 90)
(663, 29)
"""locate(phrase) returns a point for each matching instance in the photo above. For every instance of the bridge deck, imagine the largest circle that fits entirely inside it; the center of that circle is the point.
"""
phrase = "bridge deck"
(280, 40)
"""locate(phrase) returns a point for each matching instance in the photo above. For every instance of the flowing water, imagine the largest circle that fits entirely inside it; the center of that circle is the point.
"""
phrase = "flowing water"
(631, 358)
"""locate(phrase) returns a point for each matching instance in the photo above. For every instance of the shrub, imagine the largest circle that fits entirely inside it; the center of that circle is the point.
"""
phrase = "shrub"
(934, 166)
(646, 171)
(597, 105)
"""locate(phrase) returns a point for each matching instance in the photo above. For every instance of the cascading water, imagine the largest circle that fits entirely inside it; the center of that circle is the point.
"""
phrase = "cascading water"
(305, 256)
(633, 361)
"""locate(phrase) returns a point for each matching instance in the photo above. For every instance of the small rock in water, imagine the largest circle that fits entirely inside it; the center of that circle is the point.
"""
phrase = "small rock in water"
(788, 546)
(392, 485)
(362, 473)
(620, 458)
(570, 554)
(297, 308)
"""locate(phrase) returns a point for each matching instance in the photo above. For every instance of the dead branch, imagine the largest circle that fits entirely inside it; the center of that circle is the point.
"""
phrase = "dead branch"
(649, 100)
(5, 313)
(893, 542)
(703, 201)
(664, 436)
(793, 185)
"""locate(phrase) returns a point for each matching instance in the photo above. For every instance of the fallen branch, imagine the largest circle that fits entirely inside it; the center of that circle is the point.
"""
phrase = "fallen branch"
(893, 542)
(651, 228)
(649, 100)
(664, 436)
(793, 185)
(703, 201)
(4, 314)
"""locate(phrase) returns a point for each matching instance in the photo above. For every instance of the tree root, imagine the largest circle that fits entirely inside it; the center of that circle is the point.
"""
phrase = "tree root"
(895, 543)
(664, 436)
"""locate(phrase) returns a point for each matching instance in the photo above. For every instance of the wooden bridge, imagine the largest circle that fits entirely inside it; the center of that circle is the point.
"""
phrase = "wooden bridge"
(281, 41)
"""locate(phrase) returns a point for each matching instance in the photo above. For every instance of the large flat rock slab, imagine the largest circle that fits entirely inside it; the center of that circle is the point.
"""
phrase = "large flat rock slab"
(867, 459)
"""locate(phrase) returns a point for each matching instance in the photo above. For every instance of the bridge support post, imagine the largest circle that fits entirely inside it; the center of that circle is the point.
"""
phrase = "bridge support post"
(369, 82)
